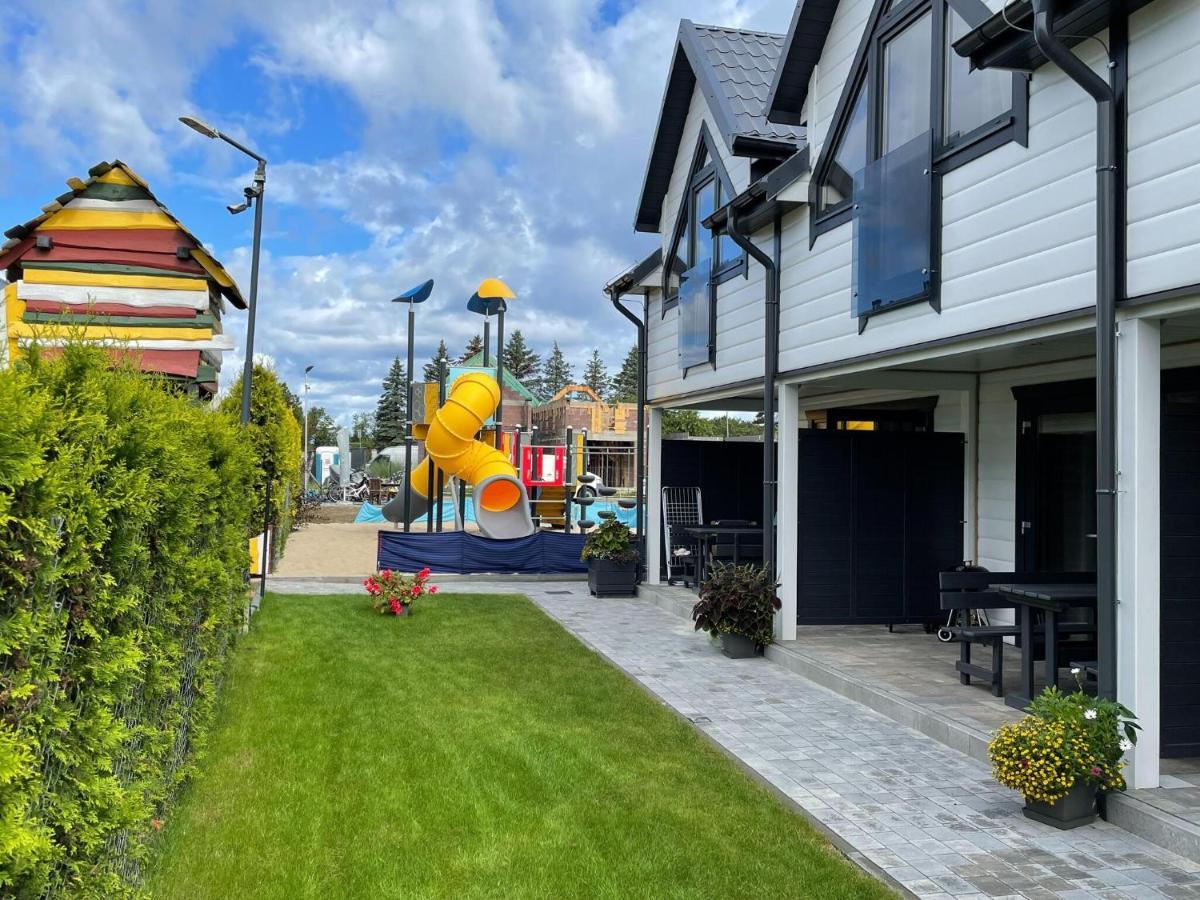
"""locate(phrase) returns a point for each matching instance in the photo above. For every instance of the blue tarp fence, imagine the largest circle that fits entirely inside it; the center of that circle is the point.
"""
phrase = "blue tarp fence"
(464, 553)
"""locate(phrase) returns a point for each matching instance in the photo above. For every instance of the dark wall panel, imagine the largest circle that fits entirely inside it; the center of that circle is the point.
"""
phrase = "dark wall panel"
(880, 515)
(1180, 563)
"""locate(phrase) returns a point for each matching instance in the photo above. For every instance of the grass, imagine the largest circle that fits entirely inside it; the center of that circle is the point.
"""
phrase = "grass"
(473, 750)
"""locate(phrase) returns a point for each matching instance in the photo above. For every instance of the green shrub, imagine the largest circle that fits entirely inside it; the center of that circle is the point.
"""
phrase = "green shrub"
(275, 435)
(612, 540)
(124, 514)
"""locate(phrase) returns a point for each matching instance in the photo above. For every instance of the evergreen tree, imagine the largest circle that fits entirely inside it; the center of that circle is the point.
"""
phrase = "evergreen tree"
(474, 346)
(556, 373)
(625, 385)
(390, 411)
(442, 355)
(595, 375)
(522, 361)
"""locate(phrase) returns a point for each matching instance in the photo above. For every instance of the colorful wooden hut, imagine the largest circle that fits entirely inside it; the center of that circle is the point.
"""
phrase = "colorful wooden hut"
(107, 262)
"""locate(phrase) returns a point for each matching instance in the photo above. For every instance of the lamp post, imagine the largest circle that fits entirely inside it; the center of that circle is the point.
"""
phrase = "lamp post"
(254, 197)
(412, 297)
(304, 455)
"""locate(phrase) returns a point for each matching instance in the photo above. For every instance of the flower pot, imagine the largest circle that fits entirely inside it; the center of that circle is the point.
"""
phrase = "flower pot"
(738, 646)
(609, 578)
(1077, 808)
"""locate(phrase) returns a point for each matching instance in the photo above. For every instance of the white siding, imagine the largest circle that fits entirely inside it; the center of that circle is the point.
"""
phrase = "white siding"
(1164, 146)
(1018, 242)
(825, 89)
(739, 301)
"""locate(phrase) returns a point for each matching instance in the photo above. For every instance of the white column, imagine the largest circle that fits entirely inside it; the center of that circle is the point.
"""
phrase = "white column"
(970, 426)
(654, 495)
(1138, 598)
(787, 506)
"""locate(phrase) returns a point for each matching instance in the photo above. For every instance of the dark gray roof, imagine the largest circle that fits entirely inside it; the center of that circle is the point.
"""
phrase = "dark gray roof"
(744, 65)
(734, 70)
(801, 50)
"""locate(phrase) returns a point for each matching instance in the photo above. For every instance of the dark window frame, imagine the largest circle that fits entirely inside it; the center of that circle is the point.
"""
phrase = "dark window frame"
(699, 177)
(866, 73)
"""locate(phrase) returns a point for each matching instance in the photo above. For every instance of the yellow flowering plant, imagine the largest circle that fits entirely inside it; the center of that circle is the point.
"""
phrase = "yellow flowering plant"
(1064, 738)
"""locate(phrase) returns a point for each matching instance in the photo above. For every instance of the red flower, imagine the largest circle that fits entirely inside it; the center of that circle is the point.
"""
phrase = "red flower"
(416, 591)
(433, 589)
(395, 605)
(424, 573)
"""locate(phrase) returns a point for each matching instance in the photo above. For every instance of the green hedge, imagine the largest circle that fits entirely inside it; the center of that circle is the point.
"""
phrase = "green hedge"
(124, 513)
(275, 436)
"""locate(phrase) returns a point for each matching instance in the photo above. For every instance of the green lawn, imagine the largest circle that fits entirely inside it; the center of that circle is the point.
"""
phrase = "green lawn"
(474, 750)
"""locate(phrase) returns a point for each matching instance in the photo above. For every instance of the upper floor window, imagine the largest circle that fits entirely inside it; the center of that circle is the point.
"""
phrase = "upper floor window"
(907, 81)
(708, 189)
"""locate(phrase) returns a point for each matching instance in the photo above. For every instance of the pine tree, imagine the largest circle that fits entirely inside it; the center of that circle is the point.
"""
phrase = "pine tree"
(474, 346)
(522, 361)
(390, 411)
(556, 373)
(625, 385)
(433, 368)
(595, 374)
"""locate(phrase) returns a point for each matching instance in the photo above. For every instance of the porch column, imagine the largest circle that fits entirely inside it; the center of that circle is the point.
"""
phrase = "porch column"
(1139, 400)
(787, 505)
(654, 496)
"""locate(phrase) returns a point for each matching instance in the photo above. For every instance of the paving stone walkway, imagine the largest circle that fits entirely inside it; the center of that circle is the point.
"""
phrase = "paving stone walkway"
(929, 819)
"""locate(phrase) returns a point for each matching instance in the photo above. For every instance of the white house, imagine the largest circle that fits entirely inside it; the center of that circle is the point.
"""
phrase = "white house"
(950, 209)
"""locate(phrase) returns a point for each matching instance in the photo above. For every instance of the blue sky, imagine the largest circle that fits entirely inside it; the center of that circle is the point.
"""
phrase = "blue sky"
(454, 140)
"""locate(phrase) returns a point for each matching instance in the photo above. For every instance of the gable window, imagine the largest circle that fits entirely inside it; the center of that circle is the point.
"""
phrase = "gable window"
(708, 189)
(907, 81)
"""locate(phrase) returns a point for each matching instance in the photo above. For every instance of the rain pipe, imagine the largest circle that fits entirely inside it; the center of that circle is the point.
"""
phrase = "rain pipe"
(770, 372)
(1104, 94)
(615, 295)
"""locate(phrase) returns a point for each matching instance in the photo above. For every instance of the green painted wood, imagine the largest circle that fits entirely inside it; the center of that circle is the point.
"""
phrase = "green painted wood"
(112, 269)
(206, 373)
(101, 191)
(39, 318)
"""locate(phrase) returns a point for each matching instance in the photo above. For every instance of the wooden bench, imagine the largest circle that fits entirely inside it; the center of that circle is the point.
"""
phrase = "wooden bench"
(966, 591)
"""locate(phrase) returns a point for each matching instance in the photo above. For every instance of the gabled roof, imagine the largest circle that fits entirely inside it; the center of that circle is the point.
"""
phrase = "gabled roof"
(115, 190)
(801, 50)
(733, 69)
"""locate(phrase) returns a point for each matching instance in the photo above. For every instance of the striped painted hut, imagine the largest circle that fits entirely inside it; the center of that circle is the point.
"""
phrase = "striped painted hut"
(108, 262)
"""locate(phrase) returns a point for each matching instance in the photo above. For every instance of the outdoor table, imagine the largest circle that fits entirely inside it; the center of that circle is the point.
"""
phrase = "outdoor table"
(1052, 600)
(706, 534)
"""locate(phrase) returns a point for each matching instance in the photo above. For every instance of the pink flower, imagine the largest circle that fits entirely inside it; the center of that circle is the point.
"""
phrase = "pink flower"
(433, 589)
(416, 591)
(395, 605)
(1096, 771)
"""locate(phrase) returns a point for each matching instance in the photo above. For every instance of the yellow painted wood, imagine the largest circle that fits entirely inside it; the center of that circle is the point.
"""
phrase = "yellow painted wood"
(109, 279)
(116, 175)
(76, 184)
(121, 333)
(94, 218)
(212, 267)
(14, 307)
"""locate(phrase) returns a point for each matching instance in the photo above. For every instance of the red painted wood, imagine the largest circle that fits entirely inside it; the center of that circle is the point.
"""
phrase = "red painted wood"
(153, 240)
(109, 309)
(77, 246)
(185, 363)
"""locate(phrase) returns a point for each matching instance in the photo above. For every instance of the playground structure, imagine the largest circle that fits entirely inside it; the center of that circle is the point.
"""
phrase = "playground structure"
(516, 490)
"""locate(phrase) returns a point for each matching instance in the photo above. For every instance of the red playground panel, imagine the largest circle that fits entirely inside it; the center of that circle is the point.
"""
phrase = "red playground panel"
(543, 466)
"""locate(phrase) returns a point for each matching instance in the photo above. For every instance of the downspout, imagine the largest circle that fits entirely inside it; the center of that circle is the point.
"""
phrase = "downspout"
(1107, 276)
(640, 462)
(770, 372)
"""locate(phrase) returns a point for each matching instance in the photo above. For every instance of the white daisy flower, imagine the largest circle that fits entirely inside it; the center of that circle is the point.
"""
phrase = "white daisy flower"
(1089, 714)
(1126, 745)
(1076, 670)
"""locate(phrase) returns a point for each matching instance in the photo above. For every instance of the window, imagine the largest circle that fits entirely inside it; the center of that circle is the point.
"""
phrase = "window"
(906, 81)
(709, 188)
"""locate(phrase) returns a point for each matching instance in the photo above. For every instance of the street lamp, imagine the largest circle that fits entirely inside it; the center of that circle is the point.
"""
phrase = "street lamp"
(254, 197)
(412, 297)
(304, 461)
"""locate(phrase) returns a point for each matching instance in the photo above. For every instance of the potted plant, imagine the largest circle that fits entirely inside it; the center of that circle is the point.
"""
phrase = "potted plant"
(1066, 749)
(394, 592)
(612, 560)
(738, 603)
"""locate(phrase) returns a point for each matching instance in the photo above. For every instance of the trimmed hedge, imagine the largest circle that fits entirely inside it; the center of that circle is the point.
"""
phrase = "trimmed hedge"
(275, 436)
(124, 515)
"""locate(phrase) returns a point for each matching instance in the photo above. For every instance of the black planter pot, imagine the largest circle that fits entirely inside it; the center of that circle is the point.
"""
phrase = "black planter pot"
(608, 578)
(1077, 808)
(738, 646)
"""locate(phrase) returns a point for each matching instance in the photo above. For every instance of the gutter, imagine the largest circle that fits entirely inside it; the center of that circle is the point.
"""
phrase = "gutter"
(734, 225)
(1107, 278)
(627, 284)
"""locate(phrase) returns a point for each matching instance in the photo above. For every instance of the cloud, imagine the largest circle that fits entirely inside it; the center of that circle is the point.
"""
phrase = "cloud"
(457, 140)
